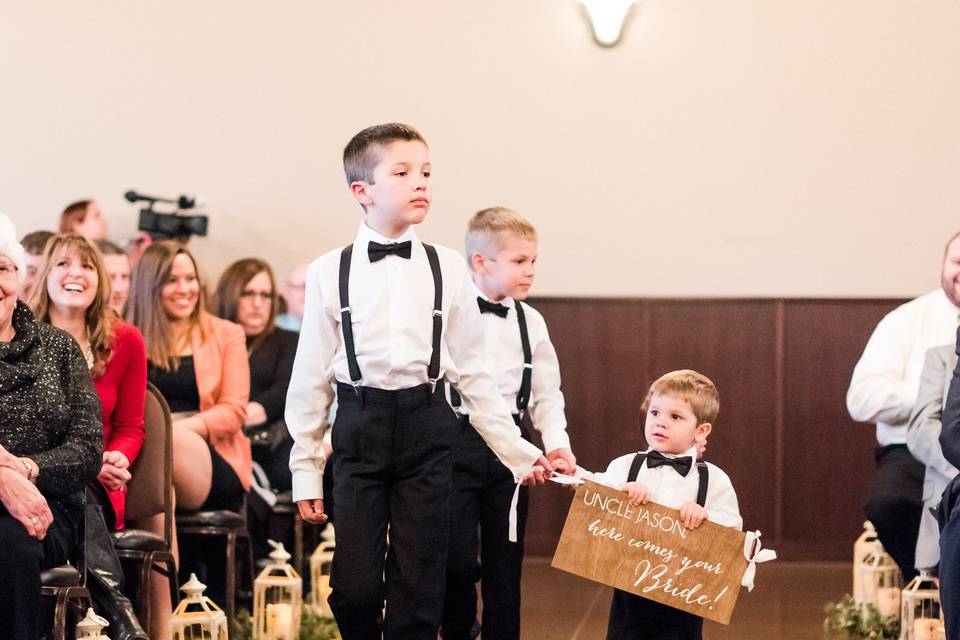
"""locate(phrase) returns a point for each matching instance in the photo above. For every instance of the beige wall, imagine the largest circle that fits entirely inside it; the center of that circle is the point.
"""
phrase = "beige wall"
(726, 147)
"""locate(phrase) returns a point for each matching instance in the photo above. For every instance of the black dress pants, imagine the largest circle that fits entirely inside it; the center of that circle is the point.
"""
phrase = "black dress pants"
(392, 474)
(895, 503)
(21, 560)
(482, 492)
(950, 559)
(636, 618)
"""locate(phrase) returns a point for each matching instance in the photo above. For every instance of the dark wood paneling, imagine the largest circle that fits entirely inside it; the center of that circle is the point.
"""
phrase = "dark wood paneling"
(799, 464)
(602, 352)
(829, 457)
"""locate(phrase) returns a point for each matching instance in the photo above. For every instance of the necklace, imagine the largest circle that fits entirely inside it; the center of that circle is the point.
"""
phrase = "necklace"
(88, 355)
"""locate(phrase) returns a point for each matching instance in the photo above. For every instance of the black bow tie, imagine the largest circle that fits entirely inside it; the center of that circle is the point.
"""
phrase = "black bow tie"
(377, 251)
(492, 307)
(681, 465)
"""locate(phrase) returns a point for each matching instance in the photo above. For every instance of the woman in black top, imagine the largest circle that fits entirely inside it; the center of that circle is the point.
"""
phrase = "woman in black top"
(51, 443)
(247, 294)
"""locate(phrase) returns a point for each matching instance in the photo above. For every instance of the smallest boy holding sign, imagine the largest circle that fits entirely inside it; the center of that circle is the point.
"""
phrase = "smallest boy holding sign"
(680, 408)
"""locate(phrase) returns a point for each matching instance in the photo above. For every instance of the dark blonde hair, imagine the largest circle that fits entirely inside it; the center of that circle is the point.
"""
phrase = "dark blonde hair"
(226, 298)
(488, 228)
(362, 153)
(697, 389)
(35, 242)
(74, 214)
(145, 306)
(99, 317)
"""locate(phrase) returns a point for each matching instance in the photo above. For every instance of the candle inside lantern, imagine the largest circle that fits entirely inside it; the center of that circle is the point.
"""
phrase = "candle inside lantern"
(280, 620)
(888, 601)
(928, 629)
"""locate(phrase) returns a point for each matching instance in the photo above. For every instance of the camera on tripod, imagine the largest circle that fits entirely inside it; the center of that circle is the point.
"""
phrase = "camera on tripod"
(171, 224)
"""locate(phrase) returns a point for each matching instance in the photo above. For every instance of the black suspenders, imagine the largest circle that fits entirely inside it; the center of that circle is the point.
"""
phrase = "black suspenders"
(433, 370)
(702, 470)
(523, 396)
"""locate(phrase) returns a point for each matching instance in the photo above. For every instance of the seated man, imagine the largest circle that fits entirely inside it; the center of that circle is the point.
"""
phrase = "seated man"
(923, 440)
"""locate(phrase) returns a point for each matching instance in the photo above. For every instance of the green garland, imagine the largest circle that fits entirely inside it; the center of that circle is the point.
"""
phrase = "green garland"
(312, 626)
(847, 620)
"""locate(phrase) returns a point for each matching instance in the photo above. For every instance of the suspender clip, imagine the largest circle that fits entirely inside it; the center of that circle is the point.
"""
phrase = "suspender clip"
(438, 312)
(528, 365)
(344, 309)
(433, 385)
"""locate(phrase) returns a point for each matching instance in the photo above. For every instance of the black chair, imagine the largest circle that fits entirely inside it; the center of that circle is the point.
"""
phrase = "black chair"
(149, 492)
(232, 527)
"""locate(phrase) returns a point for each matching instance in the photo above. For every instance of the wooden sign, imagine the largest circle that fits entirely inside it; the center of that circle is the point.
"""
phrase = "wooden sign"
(647, 551)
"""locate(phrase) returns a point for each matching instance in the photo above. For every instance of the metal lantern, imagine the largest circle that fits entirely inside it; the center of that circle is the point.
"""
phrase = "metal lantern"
(197, 617)
(881, 582)
(920, 613)
(277, 598)
(321, 562)
(90, 627)
(867, 543)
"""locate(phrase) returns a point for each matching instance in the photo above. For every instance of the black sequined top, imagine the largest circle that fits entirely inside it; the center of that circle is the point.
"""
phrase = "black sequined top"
(49, 409)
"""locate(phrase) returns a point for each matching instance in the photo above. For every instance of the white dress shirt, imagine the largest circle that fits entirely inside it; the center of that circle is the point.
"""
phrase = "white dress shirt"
(503, 351)
(391, 304)
(669, 488)
(886, 379)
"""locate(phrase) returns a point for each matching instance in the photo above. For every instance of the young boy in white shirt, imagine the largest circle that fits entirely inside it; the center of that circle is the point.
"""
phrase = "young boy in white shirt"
(389, 318)
(501, 249)
(680, 409)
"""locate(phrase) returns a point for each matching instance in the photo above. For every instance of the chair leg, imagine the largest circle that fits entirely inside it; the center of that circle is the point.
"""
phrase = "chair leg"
(231, 574)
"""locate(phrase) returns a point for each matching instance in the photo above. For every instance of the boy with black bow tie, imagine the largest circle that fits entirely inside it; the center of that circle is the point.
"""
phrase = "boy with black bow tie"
(389, 319)
(501, 249)
(680, 409)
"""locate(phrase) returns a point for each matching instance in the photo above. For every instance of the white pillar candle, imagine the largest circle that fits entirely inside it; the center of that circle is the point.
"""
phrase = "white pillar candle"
(280, 621)
(928, 629)
(888, 601)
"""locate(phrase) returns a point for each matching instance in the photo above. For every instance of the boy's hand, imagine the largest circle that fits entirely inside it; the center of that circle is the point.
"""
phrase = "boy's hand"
(563, 461)
(692, 515)
(541, 471)
(312, 510)
(638, 493)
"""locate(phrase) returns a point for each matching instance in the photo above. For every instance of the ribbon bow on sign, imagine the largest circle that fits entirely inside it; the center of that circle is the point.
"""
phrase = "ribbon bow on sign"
(754, 555)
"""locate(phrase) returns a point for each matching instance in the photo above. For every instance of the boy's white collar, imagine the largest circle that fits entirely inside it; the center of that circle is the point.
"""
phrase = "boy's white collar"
(366, 234)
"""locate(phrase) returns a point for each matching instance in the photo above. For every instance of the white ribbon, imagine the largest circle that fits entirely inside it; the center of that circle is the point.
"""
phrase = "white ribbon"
(753, 553)
(512, 532)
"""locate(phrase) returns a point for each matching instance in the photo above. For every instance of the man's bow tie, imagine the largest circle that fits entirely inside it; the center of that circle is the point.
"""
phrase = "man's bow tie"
(681, 465)
(377, 251)
(492, 307)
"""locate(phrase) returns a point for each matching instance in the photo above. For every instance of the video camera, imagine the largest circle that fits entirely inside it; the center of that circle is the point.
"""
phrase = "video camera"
(172, 224)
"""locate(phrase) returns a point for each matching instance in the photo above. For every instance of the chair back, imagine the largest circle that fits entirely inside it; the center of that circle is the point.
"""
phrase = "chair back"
(150, 490)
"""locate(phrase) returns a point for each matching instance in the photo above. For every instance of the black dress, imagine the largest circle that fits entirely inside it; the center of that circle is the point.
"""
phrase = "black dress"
(271, 364)
(49, 412)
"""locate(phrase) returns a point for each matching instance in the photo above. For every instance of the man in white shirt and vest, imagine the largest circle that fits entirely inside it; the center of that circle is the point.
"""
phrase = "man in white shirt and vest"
(883, 390)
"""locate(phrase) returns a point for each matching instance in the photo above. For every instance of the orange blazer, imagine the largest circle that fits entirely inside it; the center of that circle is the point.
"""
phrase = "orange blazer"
(223, 382)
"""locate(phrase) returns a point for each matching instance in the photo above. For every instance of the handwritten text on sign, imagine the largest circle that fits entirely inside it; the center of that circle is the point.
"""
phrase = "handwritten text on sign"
(647, 551)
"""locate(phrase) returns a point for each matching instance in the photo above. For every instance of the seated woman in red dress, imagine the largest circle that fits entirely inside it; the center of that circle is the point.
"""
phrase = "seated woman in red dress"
(72, 293)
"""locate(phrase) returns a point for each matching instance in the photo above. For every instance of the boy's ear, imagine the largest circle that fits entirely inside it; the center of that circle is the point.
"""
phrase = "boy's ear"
(703, 430)
(478, 262)
(359, 190)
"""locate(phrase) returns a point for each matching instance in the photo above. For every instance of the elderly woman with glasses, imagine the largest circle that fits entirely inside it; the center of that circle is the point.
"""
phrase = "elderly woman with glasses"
(51, 441)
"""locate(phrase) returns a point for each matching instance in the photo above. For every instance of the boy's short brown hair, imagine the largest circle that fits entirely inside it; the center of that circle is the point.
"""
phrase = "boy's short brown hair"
(361, 154)
(36, 241)
(488, 227)
(696, 388)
